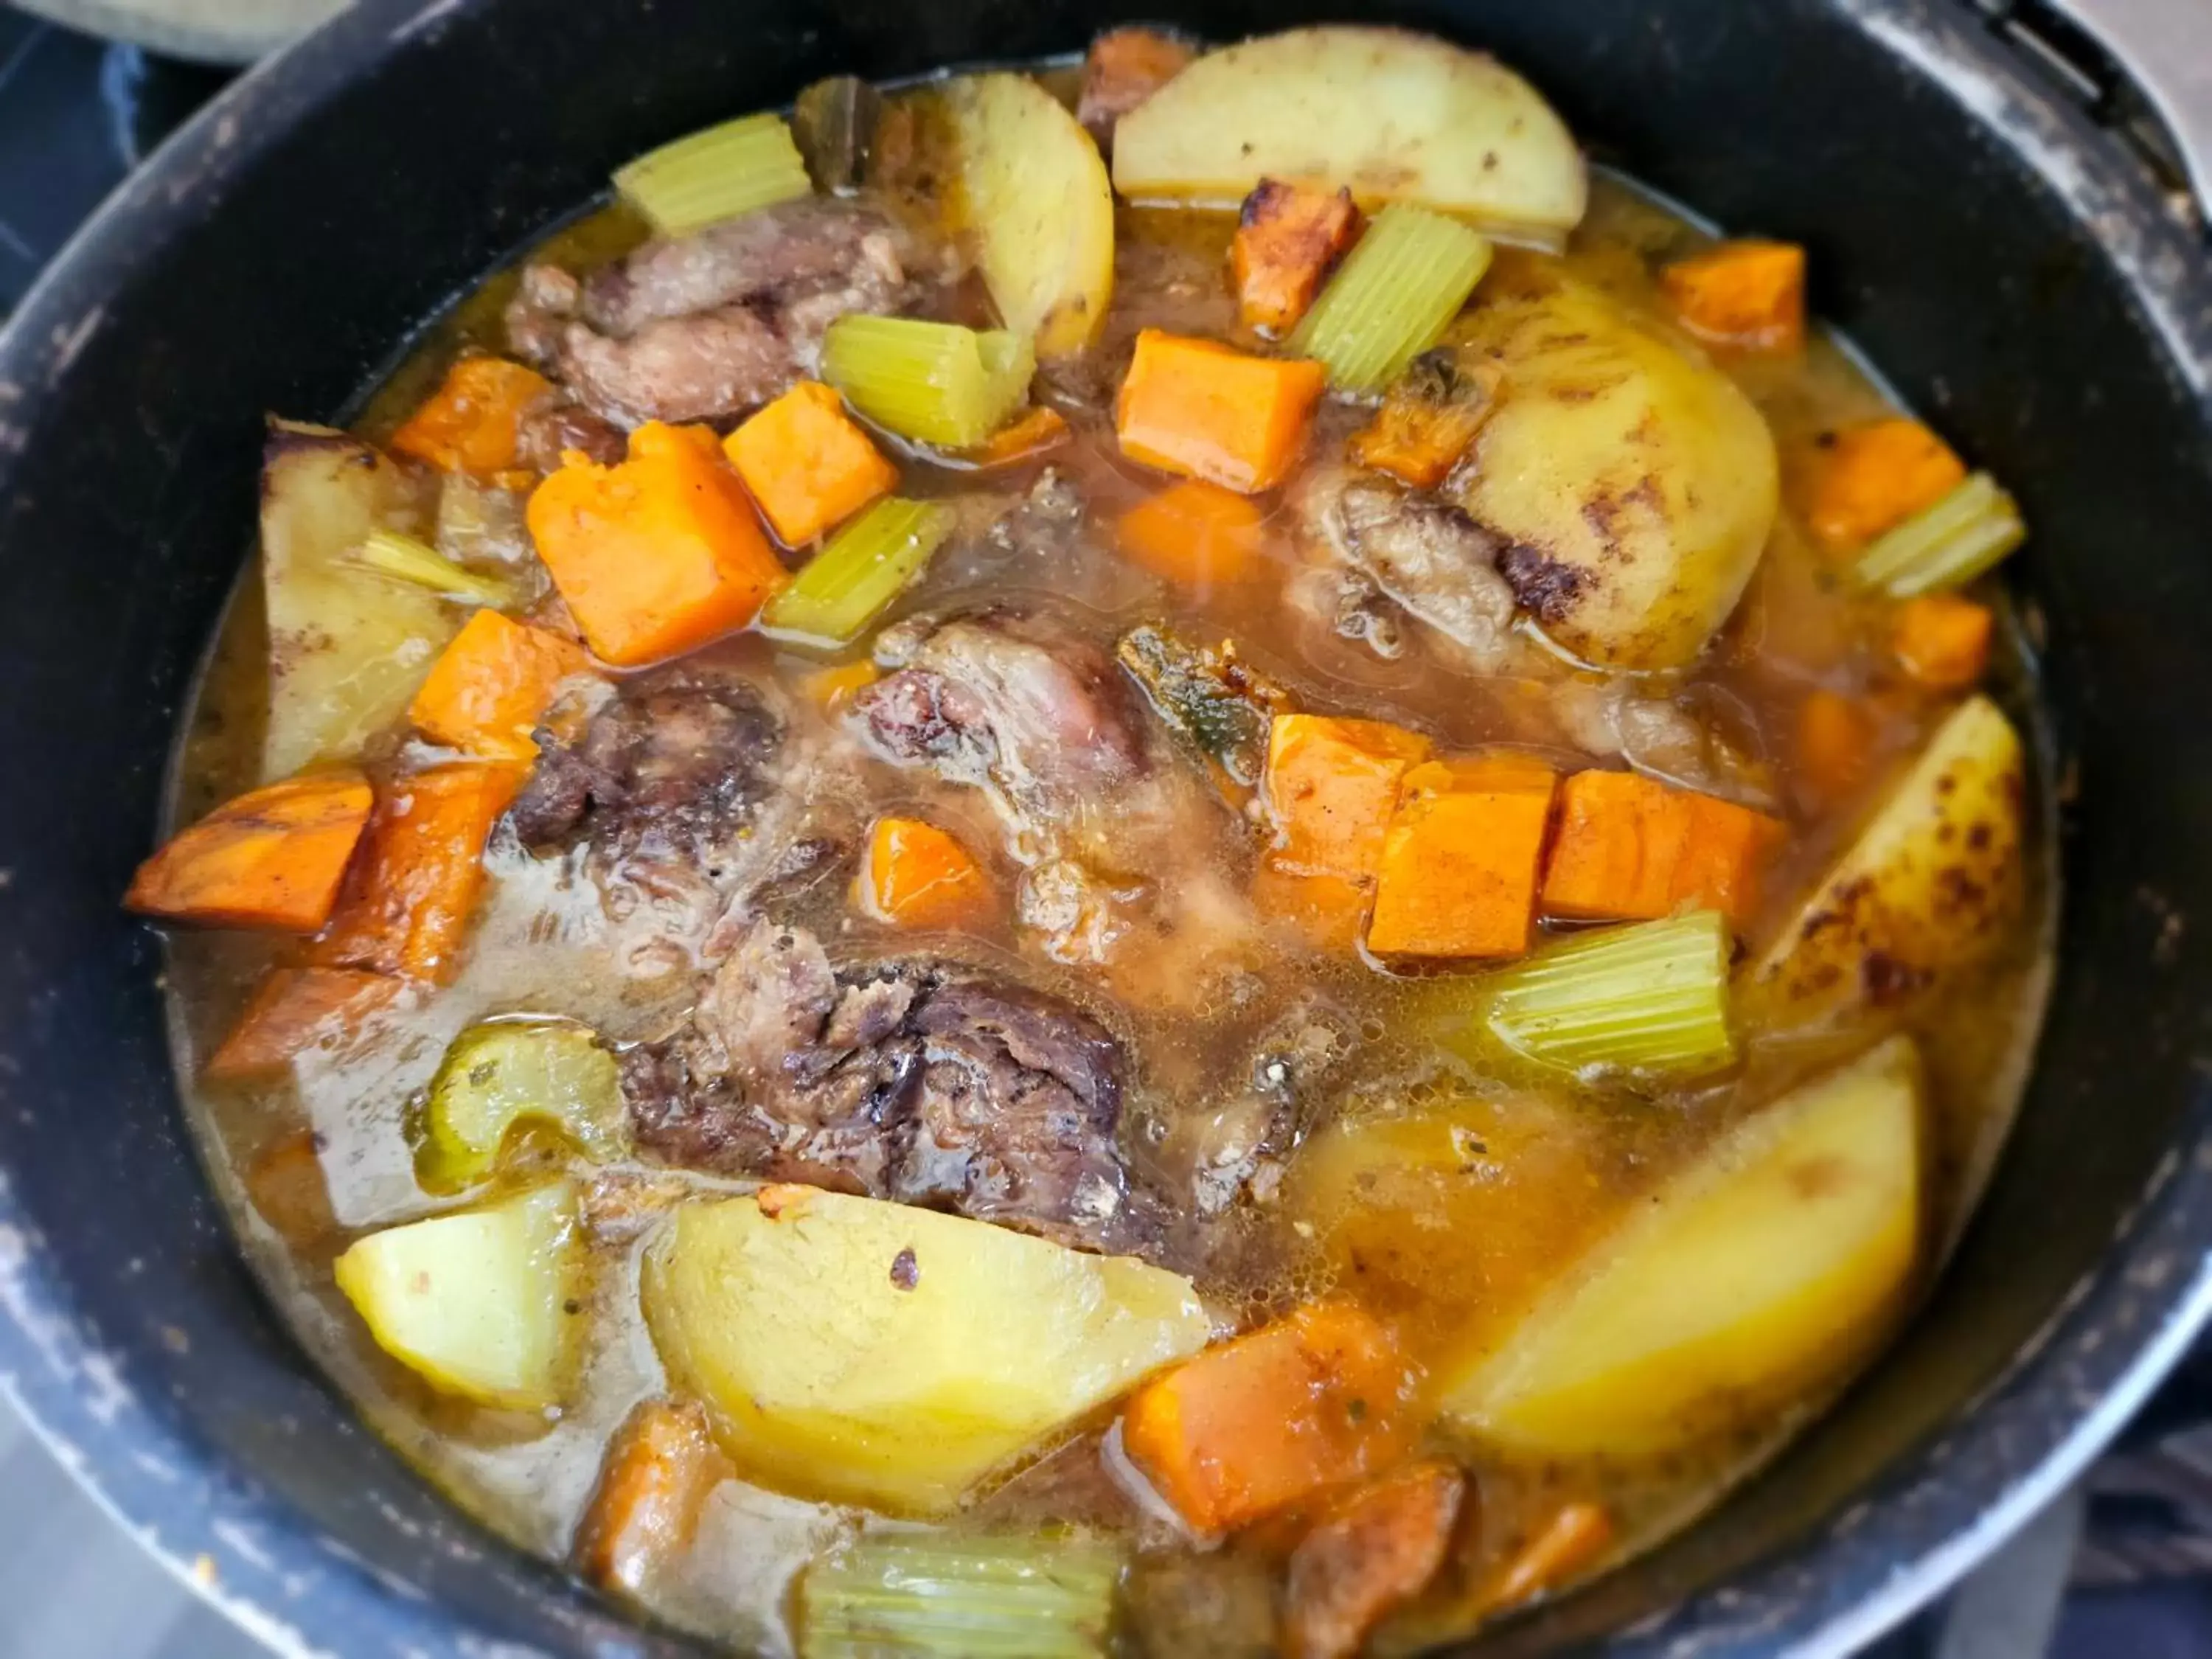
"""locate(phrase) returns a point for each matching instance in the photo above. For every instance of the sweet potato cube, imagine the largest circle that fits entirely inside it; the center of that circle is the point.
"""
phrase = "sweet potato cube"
(1942, 641)
(1123, 68)
(1630, 848)
(808, 463)
(1744, 295)
(489, 688)
(1256, 1425)
(1288, 237)
(272, 860)
(472, 423)
(1873, 477)
(407, 906)
(1460, 857)
(1199, 536)
(659, 554)
(1203, 411)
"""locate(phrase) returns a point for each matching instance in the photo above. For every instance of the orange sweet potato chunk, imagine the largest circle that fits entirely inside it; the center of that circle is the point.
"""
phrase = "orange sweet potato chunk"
(1288, 238)
(1460, 858)
(272, 860)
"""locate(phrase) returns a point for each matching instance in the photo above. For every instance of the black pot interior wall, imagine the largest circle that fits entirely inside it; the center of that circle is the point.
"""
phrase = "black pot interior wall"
(302, 232)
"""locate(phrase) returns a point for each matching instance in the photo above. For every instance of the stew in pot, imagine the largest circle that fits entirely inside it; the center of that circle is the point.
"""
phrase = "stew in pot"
(1161, 858)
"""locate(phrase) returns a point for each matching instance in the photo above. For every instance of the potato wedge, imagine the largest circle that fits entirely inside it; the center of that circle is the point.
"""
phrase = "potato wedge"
(1035, 196)
(473, 1301)
(347, 648)
(1634, 485)
(1391, 115)
(1926, 887)
(874, 1354)
(1761, 1272)
(1452, 1221)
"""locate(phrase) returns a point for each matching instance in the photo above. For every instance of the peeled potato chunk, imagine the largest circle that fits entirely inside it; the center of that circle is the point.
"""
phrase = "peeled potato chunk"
(1633, 484)
(1761, 1272)
(1034, 194)
(874, 1354)
(347, 646)
(1926, 887)
(473, 1301)
(1390, 115)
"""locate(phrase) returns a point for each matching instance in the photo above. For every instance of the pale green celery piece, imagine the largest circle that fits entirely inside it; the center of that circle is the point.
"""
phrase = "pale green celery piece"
(866, 566)
(1652, 997)
(405, 559)
(934, 1594)
(1947, 544)
(715, 174)
(939, 383)
(1392, 297)
(505, 1072)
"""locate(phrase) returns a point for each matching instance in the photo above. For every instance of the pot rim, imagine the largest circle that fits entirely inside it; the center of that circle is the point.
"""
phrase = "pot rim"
(2001, 1457)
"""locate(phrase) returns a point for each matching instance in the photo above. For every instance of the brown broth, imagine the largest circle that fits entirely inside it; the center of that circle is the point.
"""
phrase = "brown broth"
(539, 947)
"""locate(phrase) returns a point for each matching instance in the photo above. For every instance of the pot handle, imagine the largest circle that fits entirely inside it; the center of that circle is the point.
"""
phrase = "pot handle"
(2153, 54)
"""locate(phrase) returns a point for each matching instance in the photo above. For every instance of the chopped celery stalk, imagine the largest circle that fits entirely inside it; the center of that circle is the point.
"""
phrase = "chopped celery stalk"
(1947, 544)
(1392, 298)
(715, 174)
(1649, 998)
(503, 1072)
(937, 382)
(476, 1301)
(406, 559)
(963, 1598)
(864, 567)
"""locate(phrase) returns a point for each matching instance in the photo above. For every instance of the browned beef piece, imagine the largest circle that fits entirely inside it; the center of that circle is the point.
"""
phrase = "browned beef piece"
(918, 1081)
(680, 756)
(707, 326)
(1423, 554)
(1008, 700)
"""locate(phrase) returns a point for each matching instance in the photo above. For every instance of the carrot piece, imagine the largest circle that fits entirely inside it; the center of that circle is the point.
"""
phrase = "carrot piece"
(286, 1185)
(1745, 295)
(660, 1468)
(830, 688)
(1332, 786)
(1574, 1536)
(1288, 237)
(1196, 534)
(1123, 68)
(1259, 1423)
(1942, 641)
(1459, 861)
(469, 424)
(1873, 477)
(1200, 410)
(915, 875)
(1429, 416)
(292, 1010)
(491, 685)
(658, 554)
(1629, 848)
(272, 860)
(1329, 913)
(1041, 428)
(408, 903)
(1375, 1548)
(1835, 745)
(808, 463)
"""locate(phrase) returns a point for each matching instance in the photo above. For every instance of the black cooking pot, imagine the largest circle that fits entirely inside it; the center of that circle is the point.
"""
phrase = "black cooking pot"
(2021, 275)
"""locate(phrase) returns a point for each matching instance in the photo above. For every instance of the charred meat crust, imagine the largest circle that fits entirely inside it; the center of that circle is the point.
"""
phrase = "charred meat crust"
(920, 1081)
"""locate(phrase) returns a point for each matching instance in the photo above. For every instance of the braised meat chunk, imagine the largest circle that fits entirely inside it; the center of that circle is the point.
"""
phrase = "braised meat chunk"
(707, 326)
(917, 1080)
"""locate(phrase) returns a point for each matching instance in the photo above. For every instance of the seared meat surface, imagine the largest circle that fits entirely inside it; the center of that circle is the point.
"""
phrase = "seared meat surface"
(1424, 555)
(679, 755)
(916, 1080)
(707, 326)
